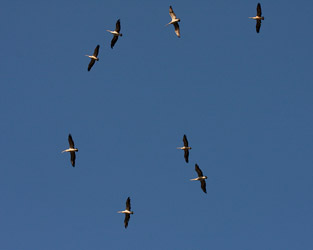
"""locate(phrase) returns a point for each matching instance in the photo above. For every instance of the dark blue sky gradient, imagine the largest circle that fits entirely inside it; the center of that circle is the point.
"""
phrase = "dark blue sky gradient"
(243, 99)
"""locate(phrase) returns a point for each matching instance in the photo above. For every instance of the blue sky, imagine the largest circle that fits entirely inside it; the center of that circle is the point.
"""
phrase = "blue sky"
(243, 99)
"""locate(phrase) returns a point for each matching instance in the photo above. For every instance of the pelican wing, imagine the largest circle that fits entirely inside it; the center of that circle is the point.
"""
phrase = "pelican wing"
(127, 217)
(73, 157)
(186, 155)
(95, 53)
(118, 26)
(70, 141)
(203, 185)
(92, 62)
(172, 14)
(258, 26)
(176, 26)
(198, 170)
(259, 10)
(114, 40)
(128, 207)
(185, 141)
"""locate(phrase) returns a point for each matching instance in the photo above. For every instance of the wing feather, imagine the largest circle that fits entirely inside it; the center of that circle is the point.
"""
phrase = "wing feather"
(95, 53)
(258, 26)
(186, 155)
(128, 207)
(73, 157)
(203, 185)
(118, 26)
(172, 14)
(70, 141)
(92, 62)
(258, 10)
(177, 31)
(185, 141)
(114, 40)
(198, 170)
(127, 217)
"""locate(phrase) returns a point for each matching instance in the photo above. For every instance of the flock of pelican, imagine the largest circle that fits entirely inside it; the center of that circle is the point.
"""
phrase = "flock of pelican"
(116, 34)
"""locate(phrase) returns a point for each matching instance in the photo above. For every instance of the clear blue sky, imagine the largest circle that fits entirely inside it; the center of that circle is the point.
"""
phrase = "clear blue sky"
(243, 99)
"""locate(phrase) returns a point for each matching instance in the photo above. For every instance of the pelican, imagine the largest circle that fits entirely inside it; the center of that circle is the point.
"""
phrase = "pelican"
(185, 148)
(93, 58)
(71, 149)
(116, 33)
(174, 21)
(127, 212)
(200, 178)
(258, 17)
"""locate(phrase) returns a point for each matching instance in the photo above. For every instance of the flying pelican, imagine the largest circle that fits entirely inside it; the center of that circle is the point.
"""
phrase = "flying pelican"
(185, 148)
(174, 21)
(71, 149)
(93, 58)
(200, 178)
(127, 212)
(258, 17)
(116, 33)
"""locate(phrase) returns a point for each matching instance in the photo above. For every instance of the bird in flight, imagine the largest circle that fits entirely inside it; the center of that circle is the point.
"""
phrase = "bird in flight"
(71, 149)
(93, 58)
(174, 21)
(185, 148)
(127, 212)
(200, 178)
(116, 33)
(258, 17)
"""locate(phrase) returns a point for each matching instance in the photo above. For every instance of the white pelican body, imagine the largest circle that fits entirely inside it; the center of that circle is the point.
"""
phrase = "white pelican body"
(125, 212)
(199, 178)
(115, 33)
(257, 17)
(93, 57)
(70, 150)
(184, 148)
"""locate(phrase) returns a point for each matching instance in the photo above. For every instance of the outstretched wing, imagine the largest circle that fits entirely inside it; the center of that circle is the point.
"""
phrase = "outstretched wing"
(186, 155)
(128, 207)
(73, 157)
(118, 26)
(114, 40)
(185, 141)
(176, 26)
(203, 185)
(127, 217)
(172, 14)
(95, 53)
(198, 170)
(258, 26)
(258, 10)
(92, 62)
(70, 141)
